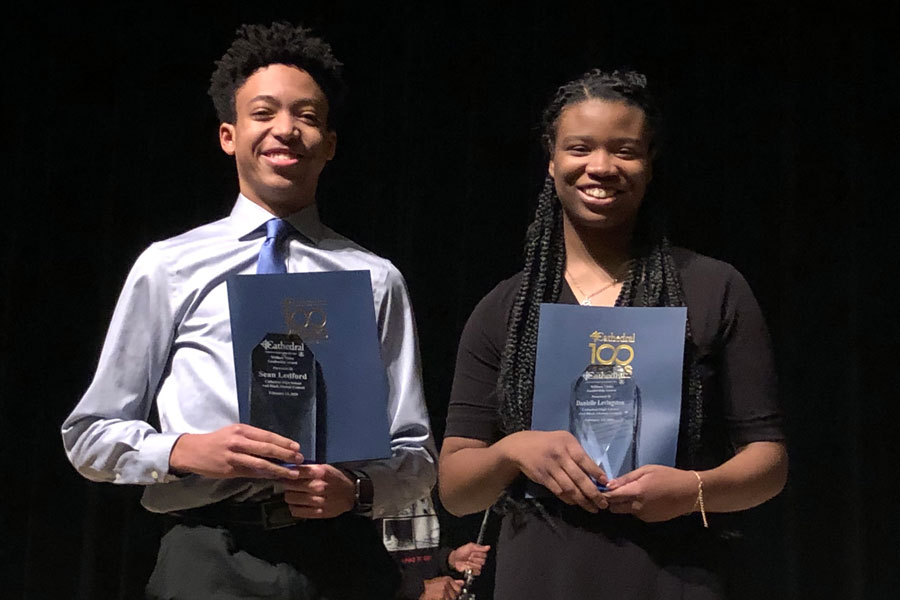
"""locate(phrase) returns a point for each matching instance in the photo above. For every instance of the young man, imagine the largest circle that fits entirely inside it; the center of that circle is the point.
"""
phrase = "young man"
(245, 526)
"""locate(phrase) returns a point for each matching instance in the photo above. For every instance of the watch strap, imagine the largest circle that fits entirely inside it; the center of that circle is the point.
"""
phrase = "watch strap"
(364, 492)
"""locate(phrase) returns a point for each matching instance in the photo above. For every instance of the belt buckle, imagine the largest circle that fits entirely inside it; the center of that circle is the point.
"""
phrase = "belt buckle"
(276, 514)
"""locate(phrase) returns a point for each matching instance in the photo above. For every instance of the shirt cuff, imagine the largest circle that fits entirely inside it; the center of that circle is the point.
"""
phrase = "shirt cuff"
(153, 464)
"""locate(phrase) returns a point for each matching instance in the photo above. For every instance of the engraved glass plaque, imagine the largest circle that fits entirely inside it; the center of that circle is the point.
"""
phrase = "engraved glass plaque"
(604, 416)
(283, 386)
(612, 377)
(307, 362)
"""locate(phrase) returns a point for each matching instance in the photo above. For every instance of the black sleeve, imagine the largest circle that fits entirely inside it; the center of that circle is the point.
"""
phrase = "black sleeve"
(442, 562)
(749, 384)
(734, 350)
(473, 399)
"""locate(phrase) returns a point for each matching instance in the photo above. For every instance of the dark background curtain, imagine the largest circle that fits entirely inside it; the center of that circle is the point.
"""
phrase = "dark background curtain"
(779, 157)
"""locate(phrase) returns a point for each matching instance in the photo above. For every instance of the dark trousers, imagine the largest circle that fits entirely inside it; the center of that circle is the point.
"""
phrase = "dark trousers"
(329, 559)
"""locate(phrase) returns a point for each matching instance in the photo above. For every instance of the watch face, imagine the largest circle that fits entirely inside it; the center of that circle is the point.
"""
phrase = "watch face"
(365, 492)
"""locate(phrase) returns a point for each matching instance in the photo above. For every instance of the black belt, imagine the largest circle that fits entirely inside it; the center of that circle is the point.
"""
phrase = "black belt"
(268, 514)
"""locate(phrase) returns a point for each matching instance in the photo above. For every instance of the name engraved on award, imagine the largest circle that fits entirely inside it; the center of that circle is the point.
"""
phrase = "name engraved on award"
(283, 386)
(605, 406)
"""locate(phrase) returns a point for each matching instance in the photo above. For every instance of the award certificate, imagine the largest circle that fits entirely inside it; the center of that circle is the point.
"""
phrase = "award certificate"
(308, 362)
(612, 377)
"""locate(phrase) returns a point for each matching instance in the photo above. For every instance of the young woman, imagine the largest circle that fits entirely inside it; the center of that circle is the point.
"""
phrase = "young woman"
(597, 239)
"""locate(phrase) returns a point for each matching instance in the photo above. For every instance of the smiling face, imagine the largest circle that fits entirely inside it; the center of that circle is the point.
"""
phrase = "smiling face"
(600, 164)
(280, 139)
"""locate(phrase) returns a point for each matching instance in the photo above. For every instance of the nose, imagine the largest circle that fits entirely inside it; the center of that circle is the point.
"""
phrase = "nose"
(283, 125)
(600, 164)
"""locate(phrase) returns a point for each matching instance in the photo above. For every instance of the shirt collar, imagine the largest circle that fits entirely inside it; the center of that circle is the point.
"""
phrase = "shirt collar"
(248, 218)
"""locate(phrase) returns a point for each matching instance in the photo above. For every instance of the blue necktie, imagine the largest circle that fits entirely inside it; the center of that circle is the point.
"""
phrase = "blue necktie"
(271, 258)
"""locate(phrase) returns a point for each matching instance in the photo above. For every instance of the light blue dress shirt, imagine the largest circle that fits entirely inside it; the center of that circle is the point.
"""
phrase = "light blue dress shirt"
(170, 341)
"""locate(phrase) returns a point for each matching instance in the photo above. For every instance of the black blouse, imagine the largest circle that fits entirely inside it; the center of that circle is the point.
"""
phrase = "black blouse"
(732, 345)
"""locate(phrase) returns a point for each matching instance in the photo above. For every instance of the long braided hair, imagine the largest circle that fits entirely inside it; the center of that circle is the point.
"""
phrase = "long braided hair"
(652, 280)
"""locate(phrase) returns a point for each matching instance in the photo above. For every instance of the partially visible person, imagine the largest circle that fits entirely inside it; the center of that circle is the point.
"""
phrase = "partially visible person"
(599, 239)
(454, 565)
(430, 570)
(243, 522)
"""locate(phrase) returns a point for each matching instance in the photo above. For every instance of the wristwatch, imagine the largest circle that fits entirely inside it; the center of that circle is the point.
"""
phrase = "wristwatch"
(364, 492)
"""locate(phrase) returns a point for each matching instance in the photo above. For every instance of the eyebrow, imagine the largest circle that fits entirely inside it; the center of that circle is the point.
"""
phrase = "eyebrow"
(629, 140)
(274, 100)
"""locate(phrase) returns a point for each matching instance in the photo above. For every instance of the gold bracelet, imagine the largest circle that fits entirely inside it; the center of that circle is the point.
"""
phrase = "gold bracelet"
(700, 499)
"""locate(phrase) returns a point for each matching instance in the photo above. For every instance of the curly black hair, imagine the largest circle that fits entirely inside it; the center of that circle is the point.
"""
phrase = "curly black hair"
(257, 46)
(653, 278)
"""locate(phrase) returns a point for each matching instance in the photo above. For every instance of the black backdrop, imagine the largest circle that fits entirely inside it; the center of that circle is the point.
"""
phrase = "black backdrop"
(779, 158)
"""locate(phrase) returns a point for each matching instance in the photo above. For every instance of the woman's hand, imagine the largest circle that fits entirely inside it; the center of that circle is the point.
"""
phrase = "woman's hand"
(474, 474)
(556, 460)
(653, 493)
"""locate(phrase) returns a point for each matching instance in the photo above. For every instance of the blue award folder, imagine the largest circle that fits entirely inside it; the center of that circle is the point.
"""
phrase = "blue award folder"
(612, 377)
(308, 362)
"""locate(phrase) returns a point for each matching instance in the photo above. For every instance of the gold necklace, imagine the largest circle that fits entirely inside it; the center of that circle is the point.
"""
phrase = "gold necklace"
(587, 297)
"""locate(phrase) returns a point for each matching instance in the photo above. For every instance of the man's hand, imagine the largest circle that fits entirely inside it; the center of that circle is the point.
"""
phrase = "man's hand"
(235, 451)
(468, 556)
(319, 492)
(442, 588)
(557, 461)
(653, 493)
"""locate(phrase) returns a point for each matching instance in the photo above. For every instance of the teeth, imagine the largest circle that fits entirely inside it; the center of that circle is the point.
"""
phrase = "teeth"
(281, 155)
(598, 192)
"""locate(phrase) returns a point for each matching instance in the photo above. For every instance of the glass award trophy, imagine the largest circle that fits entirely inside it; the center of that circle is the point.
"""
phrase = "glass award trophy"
(611, 376)
(604, 416)
(307, 362)
(283, 388)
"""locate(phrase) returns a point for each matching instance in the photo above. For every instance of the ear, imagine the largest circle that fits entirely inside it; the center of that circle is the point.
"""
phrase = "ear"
(551, 169)
(330, 143)
(226, 138)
